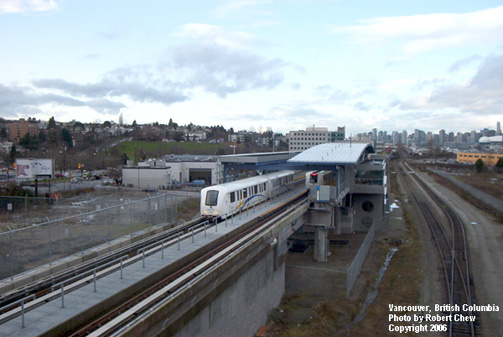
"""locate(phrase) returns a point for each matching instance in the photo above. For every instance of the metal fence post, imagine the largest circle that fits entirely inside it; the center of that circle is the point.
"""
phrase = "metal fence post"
(10, 255)
(149, 212)
(62, 295)
(22, 314)
(131, 213)
(94, 274)
(50, 245)
(108, 223)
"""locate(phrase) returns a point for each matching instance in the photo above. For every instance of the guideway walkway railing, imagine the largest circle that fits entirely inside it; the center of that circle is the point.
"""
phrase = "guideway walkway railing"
(121, 273)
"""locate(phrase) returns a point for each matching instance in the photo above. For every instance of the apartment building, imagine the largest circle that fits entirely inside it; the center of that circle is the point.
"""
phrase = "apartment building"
(304, 139)
(18, 130)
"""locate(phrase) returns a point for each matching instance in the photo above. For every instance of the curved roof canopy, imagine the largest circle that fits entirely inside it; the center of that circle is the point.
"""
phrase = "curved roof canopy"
(334, 154)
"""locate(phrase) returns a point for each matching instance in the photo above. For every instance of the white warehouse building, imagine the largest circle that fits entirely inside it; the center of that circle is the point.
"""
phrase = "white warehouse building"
(160, 174)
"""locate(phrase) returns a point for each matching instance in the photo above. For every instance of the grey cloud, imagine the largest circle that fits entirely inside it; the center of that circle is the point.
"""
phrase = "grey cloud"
(456, 66)
(362, 106)
(217, 69)
(15, 98)
(483, 95)
(221, 70)
(135, 90)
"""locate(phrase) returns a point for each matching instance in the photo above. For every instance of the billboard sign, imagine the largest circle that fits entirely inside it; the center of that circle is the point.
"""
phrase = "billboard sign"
(34, 168)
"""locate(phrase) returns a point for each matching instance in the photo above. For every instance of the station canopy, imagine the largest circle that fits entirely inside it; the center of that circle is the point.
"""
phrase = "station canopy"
(329, 154)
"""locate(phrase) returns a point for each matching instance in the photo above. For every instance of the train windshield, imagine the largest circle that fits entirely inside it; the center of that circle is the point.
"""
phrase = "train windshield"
(211, 198)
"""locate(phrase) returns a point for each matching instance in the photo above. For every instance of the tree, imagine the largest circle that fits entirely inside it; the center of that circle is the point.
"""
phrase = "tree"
(29, 142)
(67, 137)
(52, 123)
(134, 124)
(78, 125)
(479, 166)
(42, 137)
(107, 124)
(499, 165)
(12, 155)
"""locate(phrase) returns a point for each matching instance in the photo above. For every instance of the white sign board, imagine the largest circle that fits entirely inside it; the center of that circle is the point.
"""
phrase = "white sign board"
(34, 168)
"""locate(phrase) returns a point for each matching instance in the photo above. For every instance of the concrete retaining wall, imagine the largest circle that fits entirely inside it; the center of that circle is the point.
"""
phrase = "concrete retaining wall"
(244, 306)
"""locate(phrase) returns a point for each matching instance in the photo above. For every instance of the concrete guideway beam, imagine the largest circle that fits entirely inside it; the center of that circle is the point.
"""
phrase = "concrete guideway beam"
(180, 307)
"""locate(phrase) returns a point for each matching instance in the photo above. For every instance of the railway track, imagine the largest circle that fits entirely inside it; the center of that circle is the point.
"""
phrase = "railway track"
(43, 287)
(452, 248)
(124, 316)
(30, 297)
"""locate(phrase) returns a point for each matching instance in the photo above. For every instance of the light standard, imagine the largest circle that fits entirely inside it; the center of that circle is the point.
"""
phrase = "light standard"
(233, 148)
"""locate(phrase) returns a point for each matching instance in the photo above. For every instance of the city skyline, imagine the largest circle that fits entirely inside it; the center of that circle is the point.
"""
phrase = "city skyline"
(286, 65)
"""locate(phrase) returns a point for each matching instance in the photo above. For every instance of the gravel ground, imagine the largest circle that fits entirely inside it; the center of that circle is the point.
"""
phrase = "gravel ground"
(485, 237)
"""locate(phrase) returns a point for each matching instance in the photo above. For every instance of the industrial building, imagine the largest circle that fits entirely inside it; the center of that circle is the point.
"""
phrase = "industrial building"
(173, 171)
(489, 159)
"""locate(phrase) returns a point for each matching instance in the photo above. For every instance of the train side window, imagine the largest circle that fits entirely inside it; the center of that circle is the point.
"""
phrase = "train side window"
(245, 194)
(233, 196)
(255, 189)
(265, 187)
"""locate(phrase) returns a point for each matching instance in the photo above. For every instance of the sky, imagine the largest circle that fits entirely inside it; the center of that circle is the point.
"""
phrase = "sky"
(255, 64)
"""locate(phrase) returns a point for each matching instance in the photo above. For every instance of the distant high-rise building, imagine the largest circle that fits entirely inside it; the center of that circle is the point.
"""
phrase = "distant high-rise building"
(498, 129)
(441, 137)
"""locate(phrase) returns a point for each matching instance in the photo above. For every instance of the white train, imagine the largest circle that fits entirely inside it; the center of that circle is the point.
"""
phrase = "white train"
(314, 178)
(223, 199)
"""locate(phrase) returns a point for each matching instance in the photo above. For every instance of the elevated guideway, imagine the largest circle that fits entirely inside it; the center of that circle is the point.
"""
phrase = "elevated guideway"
(70, 306)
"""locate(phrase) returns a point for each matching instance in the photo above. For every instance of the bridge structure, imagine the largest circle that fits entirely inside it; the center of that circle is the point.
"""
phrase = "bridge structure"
(215, 277)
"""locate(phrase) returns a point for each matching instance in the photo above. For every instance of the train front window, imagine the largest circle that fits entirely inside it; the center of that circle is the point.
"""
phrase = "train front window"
(211, 198)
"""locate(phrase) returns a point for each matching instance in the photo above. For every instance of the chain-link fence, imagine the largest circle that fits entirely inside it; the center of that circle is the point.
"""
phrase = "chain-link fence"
(25, 248)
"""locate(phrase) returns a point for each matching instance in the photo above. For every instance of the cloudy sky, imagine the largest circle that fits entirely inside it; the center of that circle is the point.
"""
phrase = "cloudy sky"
(255, 64)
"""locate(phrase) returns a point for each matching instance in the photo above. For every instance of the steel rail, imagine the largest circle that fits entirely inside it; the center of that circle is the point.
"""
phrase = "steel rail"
(175, 281)
(458, 284)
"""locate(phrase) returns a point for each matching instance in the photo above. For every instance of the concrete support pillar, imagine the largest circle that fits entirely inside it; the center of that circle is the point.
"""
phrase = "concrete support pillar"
(337, 220)
(321, 244)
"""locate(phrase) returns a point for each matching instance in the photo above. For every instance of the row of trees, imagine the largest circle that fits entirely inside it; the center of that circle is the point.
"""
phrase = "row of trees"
(480, 166)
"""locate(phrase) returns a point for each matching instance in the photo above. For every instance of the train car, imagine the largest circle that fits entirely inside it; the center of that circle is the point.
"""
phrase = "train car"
(222, 199)
(314, 178)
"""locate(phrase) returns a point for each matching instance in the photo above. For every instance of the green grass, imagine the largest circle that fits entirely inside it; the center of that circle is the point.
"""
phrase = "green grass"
(163, 148)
